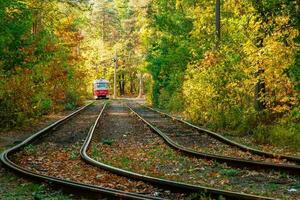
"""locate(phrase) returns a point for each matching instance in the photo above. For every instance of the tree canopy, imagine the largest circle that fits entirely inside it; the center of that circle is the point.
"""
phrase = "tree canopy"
(243, 76)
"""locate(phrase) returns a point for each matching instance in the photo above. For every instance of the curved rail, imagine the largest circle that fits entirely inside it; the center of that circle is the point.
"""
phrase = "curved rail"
(107, 191)
(159, 181)
(228, 141)
(294, 169)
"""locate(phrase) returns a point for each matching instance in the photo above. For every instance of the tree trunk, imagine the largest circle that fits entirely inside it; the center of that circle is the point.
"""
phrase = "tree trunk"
(115, 75)
(141, 91)
(122, 84)
(37, 23)
(260, 91)
(132, 85)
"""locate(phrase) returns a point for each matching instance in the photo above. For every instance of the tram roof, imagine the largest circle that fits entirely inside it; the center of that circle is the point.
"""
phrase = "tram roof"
(101, 81)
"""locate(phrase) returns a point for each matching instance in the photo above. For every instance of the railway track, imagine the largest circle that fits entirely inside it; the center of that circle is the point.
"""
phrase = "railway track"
(13, 160)
(85, 154)
(203, 143)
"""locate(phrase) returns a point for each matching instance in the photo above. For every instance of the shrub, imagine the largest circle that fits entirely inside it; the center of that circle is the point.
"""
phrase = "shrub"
(285, 132)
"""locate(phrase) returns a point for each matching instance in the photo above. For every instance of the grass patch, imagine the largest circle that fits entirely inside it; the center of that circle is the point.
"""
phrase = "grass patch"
(125, 161)
(282, 135)
(33, 191)
(95, 152)
(30, 149)
(73, 155)
(272, 186)
(229, 172)
(167, 154)
(107, 142)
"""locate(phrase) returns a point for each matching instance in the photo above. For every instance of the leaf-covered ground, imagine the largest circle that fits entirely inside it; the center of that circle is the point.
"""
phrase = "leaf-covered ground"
(13, 186)
(123, 141)
(58, 155)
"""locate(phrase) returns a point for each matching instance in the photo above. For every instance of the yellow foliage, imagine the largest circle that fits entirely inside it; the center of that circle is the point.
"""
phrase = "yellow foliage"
(221, 86)
(274, 57)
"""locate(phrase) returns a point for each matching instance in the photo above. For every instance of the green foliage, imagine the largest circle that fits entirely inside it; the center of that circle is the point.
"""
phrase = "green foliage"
(72, 99)
(43, 104)
(70, 106)
(35, 191)
(168, 52)
(294, 72)
(119, 31)
(215, 87)
(39, 69)
(285, 132)
(15, 23)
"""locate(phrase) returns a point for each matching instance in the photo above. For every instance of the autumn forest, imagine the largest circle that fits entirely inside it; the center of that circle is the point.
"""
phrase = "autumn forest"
(229, 66)
(51, 51)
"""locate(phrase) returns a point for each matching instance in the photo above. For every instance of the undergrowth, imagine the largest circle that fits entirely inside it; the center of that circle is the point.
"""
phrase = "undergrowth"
(285, 132)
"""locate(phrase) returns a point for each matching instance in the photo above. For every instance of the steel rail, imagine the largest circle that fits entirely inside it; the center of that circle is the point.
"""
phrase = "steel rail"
(228, 141)
(163, 182)
(11, 165)
(237, 162)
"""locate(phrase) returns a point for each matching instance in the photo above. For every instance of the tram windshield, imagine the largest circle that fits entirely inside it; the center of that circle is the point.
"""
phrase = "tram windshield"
(102, 85)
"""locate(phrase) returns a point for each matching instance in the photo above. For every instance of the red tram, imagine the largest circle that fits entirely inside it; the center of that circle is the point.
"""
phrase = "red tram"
(101, 88)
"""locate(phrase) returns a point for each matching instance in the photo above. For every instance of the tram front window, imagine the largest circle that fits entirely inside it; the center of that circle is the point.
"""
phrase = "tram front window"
(102, 85)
